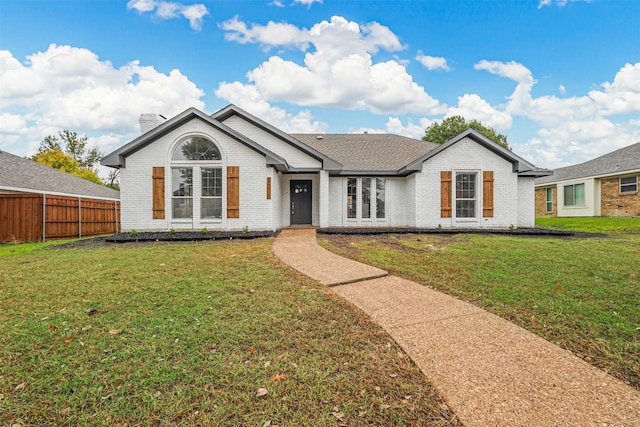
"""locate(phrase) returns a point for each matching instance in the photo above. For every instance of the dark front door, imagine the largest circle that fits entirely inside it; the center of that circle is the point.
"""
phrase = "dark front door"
(300, 205)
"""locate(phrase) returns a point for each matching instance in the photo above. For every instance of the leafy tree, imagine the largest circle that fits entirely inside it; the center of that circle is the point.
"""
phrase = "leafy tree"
(455, 125)
(57, 159)
(73, 145)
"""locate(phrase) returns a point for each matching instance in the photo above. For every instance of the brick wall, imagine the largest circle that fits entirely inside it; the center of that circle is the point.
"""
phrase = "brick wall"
(614, 203)
(541, 203)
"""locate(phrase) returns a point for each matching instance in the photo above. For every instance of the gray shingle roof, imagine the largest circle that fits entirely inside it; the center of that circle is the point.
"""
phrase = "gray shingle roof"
(20, 173)
(368, 152)
(617, 162)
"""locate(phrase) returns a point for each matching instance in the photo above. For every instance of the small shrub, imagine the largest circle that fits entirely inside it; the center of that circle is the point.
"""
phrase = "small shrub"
(133, 233)
(245, 229)
(205, 230)
(172, 230)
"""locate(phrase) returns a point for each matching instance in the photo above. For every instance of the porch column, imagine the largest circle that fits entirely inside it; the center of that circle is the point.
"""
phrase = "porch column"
(324, 199)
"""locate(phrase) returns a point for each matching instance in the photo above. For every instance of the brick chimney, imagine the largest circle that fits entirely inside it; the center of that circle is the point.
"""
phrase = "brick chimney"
(149, 121)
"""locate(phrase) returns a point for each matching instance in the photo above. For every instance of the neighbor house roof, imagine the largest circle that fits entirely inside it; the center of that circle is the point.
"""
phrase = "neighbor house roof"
(626, 159)
(24, 175)
(368, 153)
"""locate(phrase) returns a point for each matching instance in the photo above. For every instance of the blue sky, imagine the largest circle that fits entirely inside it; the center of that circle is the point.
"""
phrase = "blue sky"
(560, 78)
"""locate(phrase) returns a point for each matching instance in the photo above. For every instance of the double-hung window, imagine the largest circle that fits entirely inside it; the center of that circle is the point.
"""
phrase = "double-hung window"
(574, 195)
(466, 194)
(629, 184)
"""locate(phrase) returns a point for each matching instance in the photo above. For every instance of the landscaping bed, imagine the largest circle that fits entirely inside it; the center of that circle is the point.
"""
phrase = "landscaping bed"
(185, 236)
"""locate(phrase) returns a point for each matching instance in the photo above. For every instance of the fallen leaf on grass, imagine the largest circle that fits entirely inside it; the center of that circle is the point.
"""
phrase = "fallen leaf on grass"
(53, 327)
(278, 377)
(20, 386)
(67, 340)
(252, 350)
(329, 296)
(262, 392)
(115, 331)
(86, 328)
(338, 415)
(92, 312)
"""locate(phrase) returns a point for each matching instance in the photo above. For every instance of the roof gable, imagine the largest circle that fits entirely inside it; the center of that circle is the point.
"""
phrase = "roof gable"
(626, 159)
(520, 165)
(233, 110)
(20, 174)
(118, 157)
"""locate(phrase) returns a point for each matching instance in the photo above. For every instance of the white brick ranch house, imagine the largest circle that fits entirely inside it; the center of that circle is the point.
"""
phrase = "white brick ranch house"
(231, 170)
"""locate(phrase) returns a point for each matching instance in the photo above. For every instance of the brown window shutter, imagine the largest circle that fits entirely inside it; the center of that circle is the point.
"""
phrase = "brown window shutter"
(445, 194)
(487, 194)
(233, 192)
(268, 188)
(158, 192)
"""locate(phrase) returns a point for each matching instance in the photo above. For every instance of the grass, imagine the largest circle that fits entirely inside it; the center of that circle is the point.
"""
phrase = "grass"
(582, 294)
(187, 334)
(592, 224)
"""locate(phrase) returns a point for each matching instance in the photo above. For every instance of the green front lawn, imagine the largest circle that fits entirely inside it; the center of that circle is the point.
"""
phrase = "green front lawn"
(216, 334)
(583, 294)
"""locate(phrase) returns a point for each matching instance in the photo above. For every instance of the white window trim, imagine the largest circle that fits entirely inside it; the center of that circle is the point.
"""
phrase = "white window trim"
(372, 205)
(196, 166)
(575, 205)
(478, 211)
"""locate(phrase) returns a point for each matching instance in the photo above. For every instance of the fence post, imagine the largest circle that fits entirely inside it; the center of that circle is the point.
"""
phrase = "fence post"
(44, 217)
(79, 217)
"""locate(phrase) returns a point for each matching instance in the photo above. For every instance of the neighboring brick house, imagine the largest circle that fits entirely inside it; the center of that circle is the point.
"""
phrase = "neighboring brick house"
(231, 170)
(604, 186)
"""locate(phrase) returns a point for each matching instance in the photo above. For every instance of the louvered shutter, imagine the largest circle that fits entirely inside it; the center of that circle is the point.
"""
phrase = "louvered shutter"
(233, 192)
(445, 194)
(487, 194)
(158, 192)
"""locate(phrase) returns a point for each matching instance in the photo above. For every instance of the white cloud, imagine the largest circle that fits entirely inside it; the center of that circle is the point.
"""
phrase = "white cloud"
(412, 130)
(472, 107)
(248, 98)
(559, 3)
(432, 62)
(307, 3)
(66, 87)
(339, 72)
(573, 129)
(194, 13)
(623, 95)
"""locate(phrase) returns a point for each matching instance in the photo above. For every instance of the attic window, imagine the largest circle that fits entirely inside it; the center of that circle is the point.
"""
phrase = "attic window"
(198, 149)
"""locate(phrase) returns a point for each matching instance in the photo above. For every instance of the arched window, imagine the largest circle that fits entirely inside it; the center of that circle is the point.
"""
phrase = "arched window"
(197, 149)
(199, 181)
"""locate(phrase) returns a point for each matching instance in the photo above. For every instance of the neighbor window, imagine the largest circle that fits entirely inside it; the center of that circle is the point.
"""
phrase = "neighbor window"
(574, 195)
(211, 197)
(629, 184)
(549, 200)
(182, 192)
(371, 204)
(466, 195)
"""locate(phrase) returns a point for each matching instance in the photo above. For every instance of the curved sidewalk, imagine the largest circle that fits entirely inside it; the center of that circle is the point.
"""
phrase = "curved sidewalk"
(490, 371)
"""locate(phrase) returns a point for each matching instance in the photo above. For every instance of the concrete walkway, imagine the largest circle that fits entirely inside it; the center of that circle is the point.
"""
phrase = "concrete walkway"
(490, 371)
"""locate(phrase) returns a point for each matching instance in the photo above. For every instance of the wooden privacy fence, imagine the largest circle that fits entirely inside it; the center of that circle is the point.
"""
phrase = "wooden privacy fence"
(38, 217)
